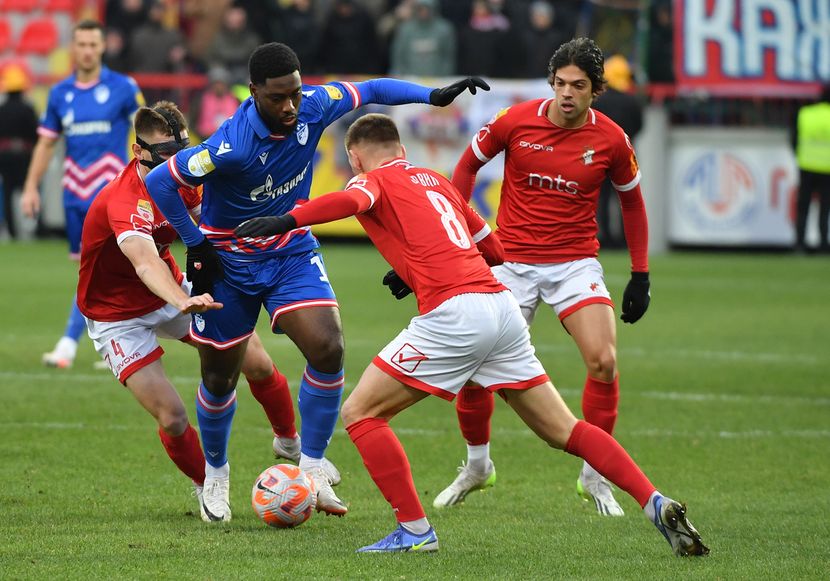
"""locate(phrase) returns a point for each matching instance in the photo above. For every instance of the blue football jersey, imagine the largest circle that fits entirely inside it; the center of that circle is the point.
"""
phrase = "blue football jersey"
(95, 119)
(248, 172)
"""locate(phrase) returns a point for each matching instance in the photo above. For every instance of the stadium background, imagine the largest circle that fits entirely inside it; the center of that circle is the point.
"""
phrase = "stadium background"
(720, 80)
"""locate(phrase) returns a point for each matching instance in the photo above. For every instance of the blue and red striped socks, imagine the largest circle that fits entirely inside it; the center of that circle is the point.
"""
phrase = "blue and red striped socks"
(215, 414)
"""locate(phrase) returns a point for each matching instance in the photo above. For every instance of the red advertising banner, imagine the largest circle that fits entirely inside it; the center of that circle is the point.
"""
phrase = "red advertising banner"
(752, 47)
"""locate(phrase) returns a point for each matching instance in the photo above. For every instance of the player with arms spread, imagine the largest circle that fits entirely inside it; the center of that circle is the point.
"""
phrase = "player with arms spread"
(259, 163)
(469, 328)
(558, 152)
(92, 109)
(131, 291)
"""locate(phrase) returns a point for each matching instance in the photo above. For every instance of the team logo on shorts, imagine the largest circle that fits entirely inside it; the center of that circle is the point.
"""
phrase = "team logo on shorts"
(200, 322)
(408, 358)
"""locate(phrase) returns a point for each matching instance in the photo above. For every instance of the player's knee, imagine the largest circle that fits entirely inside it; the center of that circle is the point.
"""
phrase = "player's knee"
(217, 383)
(257, 365)
(603, 365)
(328, 354)
(173, 421)
(351, 412)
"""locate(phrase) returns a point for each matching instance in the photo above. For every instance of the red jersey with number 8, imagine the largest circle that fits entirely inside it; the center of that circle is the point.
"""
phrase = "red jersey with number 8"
(423, 228)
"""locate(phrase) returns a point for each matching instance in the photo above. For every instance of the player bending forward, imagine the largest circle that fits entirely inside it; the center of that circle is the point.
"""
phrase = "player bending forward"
(469, 328)
(131, 292)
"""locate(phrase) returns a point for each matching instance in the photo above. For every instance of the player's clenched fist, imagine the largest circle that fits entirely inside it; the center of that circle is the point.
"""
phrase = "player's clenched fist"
(636, 297)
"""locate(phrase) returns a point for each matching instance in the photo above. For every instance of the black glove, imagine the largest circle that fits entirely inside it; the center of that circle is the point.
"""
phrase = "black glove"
(204, 267)
(397, 286)
(267, 226)
(636, 297)
(446, 95)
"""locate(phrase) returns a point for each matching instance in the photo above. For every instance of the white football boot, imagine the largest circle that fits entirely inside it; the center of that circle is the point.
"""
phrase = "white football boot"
(327, 500)
(63, 355)
(592, 487)
(216, 504)
(291, 451)
(466, 482)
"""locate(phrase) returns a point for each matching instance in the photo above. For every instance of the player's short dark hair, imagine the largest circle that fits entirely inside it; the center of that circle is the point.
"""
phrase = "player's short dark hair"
(585, 54)
(373, 128)
(149, 120)
(88, 25)
(270, 61)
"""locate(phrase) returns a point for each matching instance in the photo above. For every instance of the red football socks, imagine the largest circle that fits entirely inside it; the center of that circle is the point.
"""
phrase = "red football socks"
(273, 395)
(186, 453)
(386, 461)
(474, 406)
(599, 403)
(610, 459)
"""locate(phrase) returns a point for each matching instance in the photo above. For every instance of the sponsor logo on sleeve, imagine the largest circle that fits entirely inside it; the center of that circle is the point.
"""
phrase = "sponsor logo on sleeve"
(145, 210)
(333, 92)
(200, 163)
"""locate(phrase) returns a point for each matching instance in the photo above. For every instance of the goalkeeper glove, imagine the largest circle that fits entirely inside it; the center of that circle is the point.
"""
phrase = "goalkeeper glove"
(636, 297)
(204, 267)
(397, 286)
(266, 226)
(446, 95)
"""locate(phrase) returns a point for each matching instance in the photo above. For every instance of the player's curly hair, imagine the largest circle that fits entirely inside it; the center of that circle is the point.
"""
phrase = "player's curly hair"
(149, 120)
(372, 128)
(272, 60)
(584, 53)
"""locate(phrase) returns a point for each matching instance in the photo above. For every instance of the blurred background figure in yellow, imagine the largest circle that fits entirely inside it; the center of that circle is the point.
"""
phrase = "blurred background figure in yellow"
(626, 110)
(18, 134)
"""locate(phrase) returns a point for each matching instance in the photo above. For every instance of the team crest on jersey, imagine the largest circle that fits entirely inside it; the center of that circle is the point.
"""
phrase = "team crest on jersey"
(102, 94)
(333, 92)
(199, 321)
(200, 163)
(302, 133)
(588, 156)
(69, 97)
(145, 209)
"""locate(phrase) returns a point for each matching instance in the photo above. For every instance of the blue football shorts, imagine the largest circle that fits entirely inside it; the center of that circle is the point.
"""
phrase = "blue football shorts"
(281, 285)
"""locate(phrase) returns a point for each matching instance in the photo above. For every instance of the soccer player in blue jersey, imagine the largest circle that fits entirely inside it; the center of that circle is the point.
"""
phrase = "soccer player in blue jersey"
(259, 163)
(92, 109)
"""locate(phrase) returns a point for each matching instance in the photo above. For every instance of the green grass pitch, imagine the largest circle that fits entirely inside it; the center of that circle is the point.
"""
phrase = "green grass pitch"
(725, 403)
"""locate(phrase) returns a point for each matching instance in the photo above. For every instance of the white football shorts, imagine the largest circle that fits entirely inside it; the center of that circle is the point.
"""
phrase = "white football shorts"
(130, 345)
(473, 336)
(566, 287)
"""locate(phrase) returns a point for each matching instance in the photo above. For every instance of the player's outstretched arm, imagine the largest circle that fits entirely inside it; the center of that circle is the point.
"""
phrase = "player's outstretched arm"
(328, 208)
(156, 275)
(397, 92)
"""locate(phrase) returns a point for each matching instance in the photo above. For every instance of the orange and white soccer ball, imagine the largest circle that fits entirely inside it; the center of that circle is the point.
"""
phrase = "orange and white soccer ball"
(284, 496)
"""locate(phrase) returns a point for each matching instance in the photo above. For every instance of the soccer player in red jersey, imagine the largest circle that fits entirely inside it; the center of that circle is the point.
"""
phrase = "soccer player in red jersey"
(469, 328)
(558, 151)
(131, 292)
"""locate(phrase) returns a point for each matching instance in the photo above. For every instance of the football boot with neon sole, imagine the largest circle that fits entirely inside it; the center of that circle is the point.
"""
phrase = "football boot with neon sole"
(402, 541)
(467, 481)
(592, 487)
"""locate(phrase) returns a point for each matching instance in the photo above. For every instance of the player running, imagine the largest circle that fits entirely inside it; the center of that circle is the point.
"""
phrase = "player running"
(132, 292)
(469, 328)
(259, 163)
(558, 152)
(92, 109)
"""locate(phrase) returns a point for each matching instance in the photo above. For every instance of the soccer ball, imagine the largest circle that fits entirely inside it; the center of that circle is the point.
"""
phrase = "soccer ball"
(284, 496)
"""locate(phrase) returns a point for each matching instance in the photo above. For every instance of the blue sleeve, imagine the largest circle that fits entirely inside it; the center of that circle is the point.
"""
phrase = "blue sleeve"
(51, 119)
(134, 99)
(164, 190)
(391, 92)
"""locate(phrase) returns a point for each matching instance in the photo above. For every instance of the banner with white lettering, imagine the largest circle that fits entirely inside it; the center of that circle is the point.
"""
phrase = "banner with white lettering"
(731, 187)
(752, 47)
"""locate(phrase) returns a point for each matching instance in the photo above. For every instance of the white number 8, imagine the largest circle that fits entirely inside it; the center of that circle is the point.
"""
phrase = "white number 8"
(455, 231)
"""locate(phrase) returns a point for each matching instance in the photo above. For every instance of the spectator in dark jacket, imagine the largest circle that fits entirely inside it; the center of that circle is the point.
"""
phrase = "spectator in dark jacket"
(349, 42)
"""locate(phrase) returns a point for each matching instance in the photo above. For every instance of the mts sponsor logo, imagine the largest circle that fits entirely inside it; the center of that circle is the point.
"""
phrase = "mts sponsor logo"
(558, 183)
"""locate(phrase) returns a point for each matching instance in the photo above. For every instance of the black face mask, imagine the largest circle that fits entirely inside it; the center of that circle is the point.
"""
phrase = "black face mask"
(161, 152)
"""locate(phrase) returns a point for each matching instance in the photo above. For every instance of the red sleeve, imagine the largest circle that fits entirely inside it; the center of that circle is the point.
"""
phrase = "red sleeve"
(464, 174)
(635, 224)
(486, 241)
(331, 207)
(130, 214)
